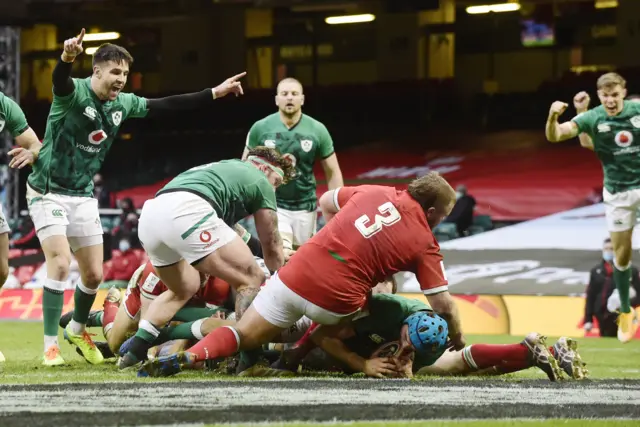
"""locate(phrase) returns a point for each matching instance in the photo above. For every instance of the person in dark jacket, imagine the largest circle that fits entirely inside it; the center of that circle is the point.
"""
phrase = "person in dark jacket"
(462, 213)
(600, 288)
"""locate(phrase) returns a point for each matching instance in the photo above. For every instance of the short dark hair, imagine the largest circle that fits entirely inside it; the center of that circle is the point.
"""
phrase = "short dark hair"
(607, 240)
(272, 156)
(112, 52)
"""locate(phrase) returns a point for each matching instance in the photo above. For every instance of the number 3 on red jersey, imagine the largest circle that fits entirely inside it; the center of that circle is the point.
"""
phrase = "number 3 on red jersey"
(390, 216)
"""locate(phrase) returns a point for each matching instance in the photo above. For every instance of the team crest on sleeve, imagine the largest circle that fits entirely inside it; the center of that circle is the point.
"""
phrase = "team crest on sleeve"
(635, 121)
(117, 117)
(1, 125)
(306, 145)
(624, 138)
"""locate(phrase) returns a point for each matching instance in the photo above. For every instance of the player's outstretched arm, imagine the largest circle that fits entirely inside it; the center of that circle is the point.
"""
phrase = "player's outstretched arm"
(555, 131)
(267, 227)
(192, 101)
(443, 304)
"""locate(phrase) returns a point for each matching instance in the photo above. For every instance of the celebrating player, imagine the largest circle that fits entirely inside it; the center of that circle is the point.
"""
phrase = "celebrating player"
(303, 140)
(377, 231)
(612, 127)
(85, 117)
(189, 224)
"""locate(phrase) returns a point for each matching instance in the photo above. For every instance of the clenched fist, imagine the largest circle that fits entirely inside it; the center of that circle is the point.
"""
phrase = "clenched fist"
(581, 101)
(557, 108)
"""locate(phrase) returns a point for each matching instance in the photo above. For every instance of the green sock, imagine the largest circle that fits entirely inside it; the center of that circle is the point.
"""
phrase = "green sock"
(96, 321)
(189, 314)
(52, 302)
(250, 357)
(83, 298)
(622, 279)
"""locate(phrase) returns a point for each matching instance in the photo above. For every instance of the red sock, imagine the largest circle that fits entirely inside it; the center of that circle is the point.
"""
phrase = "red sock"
(306, 337)
(505, 357)
(221, 342)
(108, 315)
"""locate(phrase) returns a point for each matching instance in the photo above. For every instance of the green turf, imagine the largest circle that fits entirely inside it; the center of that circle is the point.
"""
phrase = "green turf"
(21, 343)
(489, 423)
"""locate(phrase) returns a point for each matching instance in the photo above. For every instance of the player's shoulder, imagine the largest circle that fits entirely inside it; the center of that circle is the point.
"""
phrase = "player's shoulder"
(266, 121)
(592, 114)
(312, 122)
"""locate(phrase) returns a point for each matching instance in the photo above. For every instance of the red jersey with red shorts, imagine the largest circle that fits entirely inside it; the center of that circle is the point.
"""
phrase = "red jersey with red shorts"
(377, 232)
(146, 284)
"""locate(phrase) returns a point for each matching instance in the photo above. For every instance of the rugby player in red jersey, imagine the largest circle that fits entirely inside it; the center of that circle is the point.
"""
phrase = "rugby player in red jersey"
(372, 232)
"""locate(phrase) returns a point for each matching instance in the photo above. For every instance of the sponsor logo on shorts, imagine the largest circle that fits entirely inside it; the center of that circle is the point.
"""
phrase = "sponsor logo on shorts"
(57, 213)
(205, 237)
(97, 136)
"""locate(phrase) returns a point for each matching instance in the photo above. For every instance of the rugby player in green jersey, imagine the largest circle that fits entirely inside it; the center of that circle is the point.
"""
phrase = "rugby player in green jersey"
(85, 117)
(187, 230)
(614, 130)
(303, 140)
(12, 120)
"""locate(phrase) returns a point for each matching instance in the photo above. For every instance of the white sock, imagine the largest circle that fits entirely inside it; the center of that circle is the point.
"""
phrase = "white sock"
(76, 328)
(196, 329)
(49, 341)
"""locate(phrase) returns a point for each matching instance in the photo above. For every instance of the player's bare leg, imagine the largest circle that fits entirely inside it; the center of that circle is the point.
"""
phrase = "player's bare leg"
(622, 247)
(251, 331)
(4, 258)
(90, 260)
(58, 258)
(233, 263)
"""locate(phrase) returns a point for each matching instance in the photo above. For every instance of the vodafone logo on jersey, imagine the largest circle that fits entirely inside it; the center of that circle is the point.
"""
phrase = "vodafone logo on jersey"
(624, 138)
(97, 136)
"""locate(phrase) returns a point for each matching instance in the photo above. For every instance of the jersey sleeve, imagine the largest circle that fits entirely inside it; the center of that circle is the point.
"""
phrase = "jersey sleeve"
(61, 103)
(586, 122)
(263, 197)
(253, 137)
(325, 142)
(341, 196)
(135, 106)
(15, 121)
(429, 270)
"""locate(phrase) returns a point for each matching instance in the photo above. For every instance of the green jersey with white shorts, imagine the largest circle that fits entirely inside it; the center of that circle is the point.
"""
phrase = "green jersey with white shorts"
(303, 144)
(192, 215)
(13, 120)
(378, 334)
(616, 142)
(80, 130)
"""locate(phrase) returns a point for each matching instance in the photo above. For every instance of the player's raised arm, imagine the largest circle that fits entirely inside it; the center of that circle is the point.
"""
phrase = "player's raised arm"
(267, 227)
(192, 101)
(555, 131)
(581, 103)
(62, 81)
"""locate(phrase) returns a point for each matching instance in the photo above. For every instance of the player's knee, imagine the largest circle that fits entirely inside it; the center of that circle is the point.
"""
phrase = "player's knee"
(58, 266)
(92, 278)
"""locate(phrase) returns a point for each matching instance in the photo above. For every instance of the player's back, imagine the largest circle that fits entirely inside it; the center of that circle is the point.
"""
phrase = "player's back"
(378, 231)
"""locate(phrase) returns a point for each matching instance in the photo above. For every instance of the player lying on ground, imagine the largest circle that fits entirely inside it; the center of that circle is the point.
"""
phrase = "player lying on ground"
(304, 140)
(377, 342)
(377, 231)
(614, 129)
(189, 224)
(85, 117)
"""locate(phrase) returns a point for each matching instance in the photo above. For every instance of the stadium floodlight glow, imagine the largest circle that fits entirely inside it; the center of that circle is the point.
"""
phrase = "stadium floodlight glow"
(90, 50)
(496, 8)
(98, 37)
(349, 19)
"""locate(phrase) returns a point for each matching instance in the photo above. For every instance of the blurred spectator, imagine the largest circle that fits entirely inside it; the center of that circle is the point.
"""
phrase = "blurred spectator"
(100, 192)
(600, 287)
(127, 224)
(462, 213)
(123, 266)
(27, 238)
